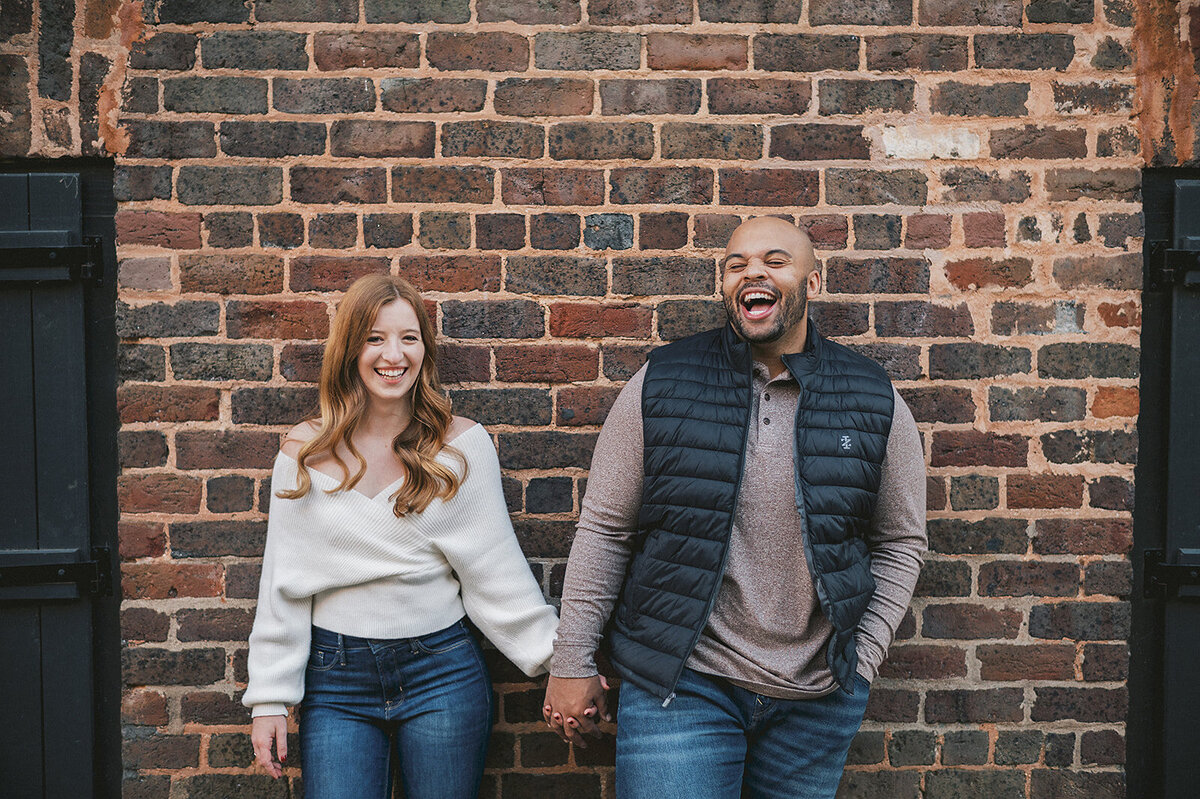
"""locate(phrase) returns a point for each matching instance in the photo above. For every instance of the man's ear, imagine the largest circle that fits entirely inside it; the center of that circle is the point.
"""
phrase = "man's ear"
(813, 284)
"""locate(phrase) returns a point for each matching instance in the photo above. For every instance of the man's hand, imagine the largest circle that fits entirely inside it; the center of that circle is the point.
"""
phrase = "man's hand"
(265, 731)
(572, 706)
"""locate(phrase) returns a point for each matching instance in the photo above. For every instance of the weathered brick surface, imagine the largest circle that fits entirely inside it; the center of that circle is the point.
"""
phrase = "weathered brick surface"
(560, 177)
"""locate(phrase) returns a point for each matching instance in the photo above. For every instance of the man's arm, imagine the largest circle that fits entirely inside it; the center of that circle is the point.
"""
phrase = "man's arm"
(897, 540)
(596, 567)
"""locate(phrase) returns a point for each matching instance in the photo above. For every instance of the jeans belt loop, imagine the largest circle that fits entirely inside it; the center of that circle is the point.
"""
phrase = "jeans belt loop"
(341, 646)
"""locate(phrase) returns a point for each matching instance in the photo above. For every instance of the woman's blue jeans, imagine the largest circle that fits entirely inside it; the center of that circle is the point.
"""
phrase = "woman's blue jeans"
(718, 741)
(427, 700)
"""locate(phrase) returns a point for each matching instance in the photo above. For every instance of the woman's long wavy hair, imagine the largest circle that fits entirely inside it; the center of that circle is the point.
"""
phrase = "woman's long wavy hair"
(344, 402)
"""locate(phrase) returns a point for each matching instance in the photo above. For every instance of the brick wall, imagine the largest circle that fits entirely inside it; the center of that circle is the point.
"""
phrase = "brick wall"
(559, 177)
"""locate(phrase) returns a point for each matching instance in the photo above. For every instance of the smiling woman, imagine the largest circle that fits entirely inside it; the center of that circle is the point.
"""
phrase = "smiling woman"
(368, 573)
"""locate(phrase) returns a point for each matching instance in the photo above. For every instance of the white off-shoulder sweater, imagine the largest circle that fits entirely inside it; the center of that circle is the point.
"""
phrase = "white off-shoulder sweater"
(344, 562)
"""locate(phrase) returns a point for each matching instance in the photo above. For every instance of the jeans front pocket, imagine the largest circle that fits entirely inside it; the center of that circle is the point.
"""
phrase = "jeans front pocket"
(444, 641)
(323, 658)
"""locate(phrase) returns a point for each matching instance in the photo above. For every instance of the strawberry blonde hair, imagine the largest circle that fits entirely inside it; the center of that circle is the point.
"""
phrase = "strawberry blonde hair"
(344, 402)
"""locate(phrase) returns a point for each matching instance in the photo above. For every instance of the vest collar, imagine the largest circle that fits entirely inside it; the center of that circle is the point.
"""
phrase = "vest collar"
(737, 351)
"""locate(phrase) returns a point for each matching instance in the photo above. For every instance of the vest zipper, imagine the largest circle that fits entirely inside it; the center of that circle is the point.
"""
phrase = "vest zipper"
(737, 490)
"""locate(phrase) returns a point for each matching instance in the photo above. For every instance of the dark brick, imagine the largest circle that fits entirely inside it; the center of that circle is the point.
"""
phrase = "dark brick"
(153, 666)
(1112, 55)
(907, 52)
(969, 185)
(1118, 272)
(696, 51)
(841, 318)
(141, 449)
(488, 318)
(1020, 578)
(159, 320)
(306, 11)
(968, 622)
(55, 36)
(223, 449)
(1006, 13)
(546, 450)
(492, 139)
(714, 230)
(974, 361)
(872, 784)
(233, 750)
(141, 362)
(680, 318)
(587, 51)
(196, 361)
(216, 94)
(966, 707)
(556, 275)
(675, 185)
(1028, 51)
(552, 187)
(877, 276)
(952, 783)
(271, 139)
(1052, 404)
(554, 231)
(652, 275)
(839, 96)
(513, 406)
(984, 537)
(549, 495)
(282, 405)
(761, 96)
(927, 231)
(147, 748)
(492, 51)
(805, 52)
(301, 363)
(323, 95)
(140, 96)
(432, 95)
(965, 748)
(189, 11)
(663, 231)
(975, 99)
(724, 142)
(1032, 141)
(443, 11)
(332, 272)
(601, 140)
(608, 231)
(878, 232)
(273, 50)
(246, 786)
(874, 187)
(445, 230)
(142, 183)
(827, 231)
(924, 662)
(333, 231)
(974, 448)
(229, 185)
(785, 11)
(877, 12)
(529, 12)
(276, 320)
(819, 142)
(1080, 621)
(229, 229)
(459, 363)
(1012, 318)
(1059, 11)
(1110, 493)
(916, 318)
(371, 138)
(912, 748)
(550, 784)
(866, 749)
(230, 494)
(154, 139)
(1081, 704)
(280, 230)
(977, 492)
(1105, 662)
(1061, 784)
(214, 624)
(442, 184)
(387, 230)
(585, 405)
(174, 51)
(1098, 446)
(672, 96)
(543, 97)
(1018, 747)
(768, 187)
(938, 403)
(499, 231)
(1092, 98)
(1082, 360)
(639, 12)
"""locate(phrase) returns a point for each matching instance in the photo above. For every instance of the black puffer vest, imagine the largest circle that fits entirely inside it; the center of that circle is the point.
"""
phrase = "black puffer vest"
(696, 403)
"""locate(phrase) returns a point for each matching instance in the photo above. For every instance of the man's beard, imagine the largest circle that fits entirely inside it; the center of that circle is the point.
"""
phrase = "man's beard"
(789, 314)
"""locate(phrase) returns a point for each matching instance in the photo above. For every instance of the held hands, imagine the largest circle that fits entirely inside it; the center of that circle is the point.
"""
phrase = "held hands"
(265, 732)
(573, 705)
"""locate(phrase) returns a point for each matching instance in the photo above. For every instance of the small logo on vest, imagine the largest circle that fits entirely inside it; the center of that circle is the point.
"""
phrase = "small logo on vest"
(846, 443)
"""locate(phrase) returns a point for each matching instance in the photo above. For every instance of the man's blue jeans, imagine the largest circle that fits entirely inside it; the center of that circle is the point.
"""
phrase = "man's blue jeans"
(718, 741)
(428, 699)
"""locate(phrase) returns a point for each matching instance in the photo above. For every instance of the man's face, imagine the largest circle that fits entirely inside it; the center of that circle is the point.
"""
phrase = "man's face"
(766, 279)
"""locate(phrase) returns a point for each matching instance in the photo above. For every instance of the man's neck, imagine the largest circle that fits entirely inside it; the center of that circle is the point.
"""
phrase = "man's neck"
(770, 353)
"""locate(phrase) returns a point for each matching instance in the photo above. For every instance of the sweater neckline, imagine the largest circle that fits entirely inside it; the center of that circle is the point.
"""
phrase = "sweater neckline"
(391, 487)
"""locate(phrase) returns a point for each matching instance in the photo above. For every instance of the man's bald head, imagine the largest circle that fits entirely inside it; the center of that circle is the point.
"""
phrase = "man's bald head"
(772, 232)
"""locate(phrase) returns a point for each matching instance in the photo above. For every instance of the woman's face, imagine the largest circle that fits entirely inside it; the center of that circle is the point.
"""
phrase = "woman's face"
(390, 362)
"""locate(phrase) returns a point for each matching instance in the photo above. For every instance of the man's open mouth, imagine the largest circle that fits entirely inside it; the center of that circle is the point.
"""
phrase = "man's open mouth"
(757, 303)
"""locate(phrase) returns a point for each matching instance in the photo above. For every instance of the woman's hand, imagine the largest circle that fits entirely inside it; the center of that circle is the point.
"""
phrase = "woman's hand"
(267, 733)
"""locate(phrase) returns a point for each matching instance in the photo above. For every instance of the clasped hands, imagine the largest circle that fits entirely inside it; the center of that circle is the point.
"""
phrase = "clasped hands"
(573, 706)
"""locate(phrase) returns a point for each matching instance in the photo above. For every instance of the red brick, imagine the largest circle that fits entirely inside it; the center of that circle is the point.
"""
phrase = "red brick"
(1020, 663)
(664, 231)
(373, 138)
(494, 52)
(1083, 536)
(927, 231)
(768, 187)
(536, 97)
(1028, 578)
(432, 95)
(826, 231)
(761, 96)
(167, 580)
(585, 405)
(1115, 401)
(441, 184)
(969, 622)
(1124, 314)
(552, 186)
(158, 228)
(529, 12)
(158, 493)
(144, 707)
(924, 662)
(214, 624)
(225, 449)
(321, 185)
(975, 448)
(669, 96)
(451, 272)
(141, 539)
(703, 51)
(331, 272)
(274, 320)
(1045, 491)
(462, 363)
(639, 12)
(557, 363)
(366, 50)
(142, 403)
(588, 320)
(231, 273)
(1031, 141)
(144, 624)
(983, 230)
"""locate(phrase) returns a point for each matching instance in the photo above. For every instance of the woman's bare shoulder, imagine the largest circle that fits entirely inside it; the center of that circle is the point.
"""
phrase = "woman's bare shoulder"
(458, 426)
(300, 435)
